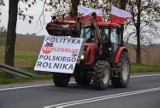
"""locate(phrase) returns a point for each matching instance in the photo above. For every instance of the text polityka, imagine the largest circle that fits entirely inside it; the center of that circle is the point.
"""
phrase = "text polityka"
(63, 40)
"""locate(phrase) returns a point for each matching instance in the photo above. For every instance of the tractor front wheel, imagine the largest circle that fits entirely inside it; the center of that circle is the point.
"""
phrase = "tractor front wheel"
(83, 80)
(61, 80)
(101, 75)
(123, 71)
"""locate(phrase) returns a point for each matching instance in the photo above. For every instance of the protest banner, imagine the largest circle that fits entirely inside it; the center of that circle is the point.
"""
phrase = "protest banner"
(58, 54)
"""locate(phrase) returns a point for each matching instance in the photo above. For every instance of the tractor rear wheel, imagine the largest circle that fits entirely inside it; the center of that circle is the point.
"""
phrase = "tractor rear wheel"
(123, 71)
(60, 79)
(101, 75)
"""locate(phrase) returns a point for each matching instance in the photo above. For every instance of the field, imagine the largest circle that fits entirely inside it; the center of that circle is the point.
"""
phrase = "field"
(149, 54)
(26, 51)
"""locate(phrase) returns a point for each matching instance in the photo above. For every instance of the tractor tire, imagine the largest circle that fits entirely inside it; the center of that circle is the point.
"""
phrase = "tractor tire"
(61, 80)
(101, 75)
(123, 71)
(83, 80)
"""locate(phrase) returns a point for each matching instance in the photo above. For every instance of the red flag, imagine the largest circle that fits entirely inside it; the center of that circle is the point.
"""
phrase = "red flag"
(118, 16)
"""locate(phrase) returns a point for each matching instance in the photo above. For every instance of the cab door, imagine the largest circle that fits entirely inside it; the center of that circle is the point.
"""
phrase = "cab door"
(114, 38)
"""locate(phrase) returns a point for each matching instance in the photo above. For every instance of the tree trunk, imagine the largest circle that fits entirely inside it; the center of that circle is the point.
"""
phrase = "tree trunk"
(122, 6)
(11, 35)
(74, 9)
(138, 50)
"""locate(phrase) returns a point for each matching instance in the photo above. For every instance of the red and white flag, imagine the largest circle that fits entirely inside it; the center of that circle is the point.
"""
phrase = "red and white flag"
(88, 11)
(118, 16)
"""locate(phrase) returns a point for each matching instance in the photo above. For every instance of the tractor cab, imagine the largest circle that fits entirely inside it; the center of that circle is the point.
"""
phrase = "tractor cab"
(106, 39)
(110, 38)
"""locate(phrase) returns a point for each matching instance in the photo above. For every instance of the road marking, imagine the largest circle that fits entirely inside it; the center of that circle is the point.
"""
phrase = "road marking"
(139, 76)
(42, 85)
(89, 100)
(22, 87)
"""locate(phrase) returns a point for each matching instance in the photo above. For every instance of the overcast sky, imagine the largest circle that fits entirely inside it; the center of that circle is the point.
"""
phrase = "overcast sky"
(24, 27)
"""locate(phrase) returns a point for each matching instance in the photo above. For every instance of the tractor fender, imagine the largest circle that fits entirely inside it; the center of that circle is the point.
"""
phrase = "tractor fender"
(118, 54)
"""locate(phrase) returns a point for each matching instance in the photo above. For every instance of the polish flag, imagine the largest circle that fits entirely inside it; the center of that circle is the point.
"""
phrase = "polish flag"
(119, 16)
(88, 11)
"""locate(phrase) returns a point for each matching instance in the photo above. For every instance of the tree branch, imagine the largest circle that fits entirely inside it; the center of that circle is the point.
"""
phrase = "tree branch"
(43, 16)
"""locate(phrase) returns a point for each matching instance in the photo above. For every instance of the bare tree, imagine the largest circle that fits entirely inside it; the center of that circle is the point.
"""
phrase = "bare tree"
(145, 14)
(11, 35)
(1, 2)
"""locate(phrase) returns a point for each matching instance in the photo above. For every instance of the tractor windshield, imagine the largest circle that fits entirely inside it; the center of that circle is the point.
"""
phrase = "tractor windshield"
(104, 31)
(87, 34)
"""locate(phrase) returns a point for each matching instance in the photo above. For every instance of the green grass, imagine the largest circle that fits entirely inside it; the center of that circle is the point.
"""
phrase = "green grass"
(23, 57)
(2, 43)
(1, 54)
(26, 63)
(23, 60)
(26, 57)
(141, 68)
(17, 79)
(23, 80)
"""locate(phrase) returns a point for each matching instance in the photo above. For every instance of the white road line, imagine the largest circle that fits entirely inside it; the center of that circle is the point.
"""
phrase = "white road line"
(22, 87)
(41, 85)
(149, 75)
(89, 100)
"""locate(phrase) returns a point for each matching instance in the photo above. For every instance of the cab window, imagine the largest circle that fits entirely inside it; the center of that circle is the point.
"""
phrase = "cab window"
(114, 36)
(87, 33)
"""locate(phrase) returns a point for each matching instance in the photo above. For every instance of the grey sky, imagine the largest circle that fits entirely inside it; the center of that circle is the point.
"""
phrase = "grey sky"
(24, 27)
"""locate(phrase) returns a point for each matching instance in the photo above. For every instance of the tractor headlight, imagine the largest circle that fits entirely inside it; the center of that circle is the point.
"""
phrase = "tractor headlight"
(82, 57)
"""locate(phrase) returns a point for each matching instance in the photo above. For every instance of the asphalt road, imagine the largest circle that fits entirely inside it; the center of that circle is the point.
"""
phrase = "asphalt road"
(143, 92)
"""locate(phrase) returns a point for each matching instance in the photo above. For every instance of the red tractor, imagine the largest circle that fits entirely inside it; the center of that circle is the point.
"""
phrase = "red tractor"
(102, 57)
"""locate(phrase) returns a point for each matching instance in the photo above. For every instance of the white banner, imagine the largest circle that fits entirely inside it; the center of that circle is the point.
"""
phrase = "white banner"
(58, 54)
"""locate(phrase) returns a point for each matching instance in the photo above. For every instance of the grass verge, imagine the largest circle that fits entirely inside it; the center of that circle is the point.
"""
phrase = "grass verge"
(17, 79)
(143, 68)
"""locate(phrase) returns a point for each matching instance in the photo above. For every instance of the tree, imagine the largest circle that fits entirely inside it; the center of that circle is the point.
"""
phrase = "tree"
(74, 8)
(1, 2)
(145, 14)
(11, 35)
(122, 6)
